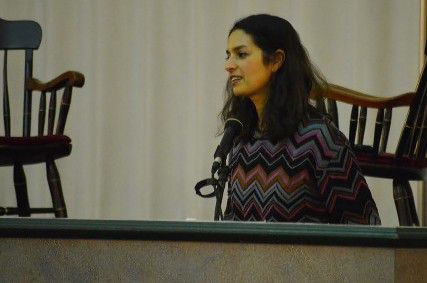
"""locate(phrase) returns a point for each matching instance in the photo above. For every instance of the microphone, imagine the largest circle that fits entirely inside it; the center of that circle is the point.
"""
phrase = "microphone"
(232, 128)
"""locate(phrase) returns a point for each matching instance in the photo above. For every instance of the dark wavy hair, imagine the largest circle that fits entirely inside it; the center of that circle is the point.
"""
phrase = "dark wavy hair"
(289, 88)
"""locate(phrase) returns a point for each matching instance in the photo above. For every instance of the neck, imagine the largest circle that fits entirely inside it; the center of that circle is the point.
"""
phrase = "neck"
(259, 102)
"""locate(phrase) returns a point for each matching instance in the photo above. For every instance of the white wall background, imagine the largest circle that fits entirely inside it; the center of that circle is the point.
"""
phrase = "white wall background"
(143, 126)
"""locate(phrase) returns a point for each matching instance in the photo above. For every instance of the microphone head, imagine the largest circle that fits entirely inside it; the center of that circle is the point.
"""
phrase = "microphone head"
(232, 128)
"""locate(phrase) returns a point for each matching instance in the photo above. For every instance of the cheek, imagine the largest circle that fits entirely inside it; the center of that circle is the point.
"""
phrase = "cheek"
(257, 73)
(251, 67)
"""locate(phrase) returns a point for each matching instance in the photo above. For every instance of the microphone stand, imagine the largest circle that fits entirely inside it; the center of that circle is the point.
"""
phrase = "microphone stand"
(232, 129)
(219, 187)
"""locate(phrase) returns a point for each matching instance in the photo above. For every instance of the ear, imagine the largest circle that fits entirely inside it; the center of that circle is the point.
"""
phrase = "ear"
(278, 59)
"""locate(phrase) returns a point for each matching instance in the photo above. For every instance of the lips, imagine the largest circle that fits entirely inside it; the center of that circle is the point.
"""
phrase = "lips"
(235, 79)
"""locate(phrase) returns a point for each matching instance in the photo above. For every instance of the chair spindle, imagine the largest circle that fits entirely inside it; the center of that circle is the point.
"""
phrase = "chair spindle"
(52, 112)
(6, 107)
(63, 111)
(421, 149)
(333, 111)
(386, 129)
(42, 113)
(27, 92)
(362, 125)
(320, 104)
(407, 135)
(416, 148)
(353, 124)
(416, 130)
(378, 129)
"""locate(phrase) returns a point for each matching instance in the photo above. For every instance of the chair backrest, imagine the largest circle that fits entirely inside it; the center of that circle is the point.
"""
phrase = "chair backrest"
(19, 35)
(26, 36)
(413, 139)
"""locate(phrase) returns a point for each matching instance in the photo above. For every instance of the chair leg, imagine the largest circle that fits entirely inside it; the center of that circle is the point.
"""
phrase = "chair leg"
(56, 190)
(21, 190)
(411, 203)
(403, 198)
(424, 203)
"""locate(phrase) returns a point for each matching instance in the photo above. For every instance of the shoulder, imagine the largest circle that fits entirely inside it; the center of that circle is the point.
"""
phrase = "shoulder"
(323, 128)
(321, 133)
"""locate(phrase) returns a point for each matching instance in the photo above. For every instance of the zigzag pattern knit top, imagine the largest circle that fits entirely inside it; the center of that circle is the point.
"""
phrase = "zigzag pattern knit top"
(311, 176)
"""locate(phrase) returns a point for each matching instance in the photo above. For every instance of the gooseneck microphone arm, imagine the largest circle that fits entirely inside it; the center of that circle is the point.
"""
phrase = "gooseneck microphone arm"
(233, 127)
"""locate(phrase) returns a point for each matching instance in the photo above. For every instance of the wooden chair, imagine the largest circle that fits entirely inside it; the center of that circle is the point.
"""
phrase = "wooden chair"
(409, 160)
(48, 145)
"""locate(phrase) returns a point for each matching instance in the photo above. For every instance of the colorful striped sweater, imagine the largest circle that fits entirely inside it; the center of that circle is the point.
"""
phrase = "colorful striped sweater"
(311, 176)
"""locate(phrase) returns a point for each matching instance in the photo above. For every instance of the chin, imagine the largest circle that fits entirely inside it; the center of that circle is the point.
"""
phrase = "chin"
(239, 93)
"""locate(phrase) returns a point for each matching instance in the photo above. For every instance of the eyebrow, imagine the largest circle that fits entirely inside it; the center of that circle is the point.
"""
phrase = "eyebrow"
(235, 48)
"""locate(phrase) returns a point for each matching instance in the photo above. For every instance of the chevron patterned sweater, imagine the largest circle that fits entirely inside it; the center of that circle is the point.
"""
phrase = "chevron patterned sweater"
(311, 176)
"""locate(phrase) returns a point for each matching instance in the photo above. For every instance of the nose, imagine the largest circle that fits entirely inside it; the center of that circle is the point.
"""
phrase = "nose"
(230, 65)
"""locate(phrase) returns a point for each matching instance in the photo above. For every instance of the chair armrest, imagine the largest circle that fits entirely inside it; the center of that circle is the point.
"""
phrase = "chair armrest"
(70, 78)
(342, 94)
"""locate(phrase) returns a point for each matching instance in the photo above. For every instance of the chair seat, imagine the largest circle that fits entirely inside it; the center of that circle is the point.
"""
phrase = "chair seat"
(29, 150)
(386, 165)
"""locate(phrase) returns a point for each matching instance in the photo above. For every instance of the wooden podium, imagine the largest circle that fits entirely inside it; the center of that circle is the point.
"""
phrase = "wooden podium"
(58, 250)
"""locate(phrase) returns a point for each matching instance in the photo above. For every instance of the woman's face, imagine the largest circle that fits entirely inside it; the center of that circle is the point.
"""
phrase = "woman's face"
(247, 72)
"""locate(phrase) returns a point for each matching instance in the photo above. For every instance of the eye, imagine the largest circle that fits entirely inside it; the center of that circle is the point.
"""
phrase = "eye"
(242, 55)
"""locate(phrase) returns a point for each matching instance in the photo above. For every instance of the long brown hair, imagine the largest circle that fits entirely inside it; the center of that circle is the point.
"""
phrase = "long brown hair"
(290, 86)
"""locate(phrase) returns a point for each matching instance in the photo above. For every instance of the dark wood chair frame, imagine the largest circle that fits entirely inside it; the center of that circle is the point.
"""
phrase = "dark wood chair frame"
(43, 148)
(409, 160)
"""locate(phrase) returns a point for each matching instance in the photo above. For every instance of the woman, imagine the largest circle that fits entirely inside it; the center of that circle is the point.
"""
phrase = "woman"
(289, 163)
